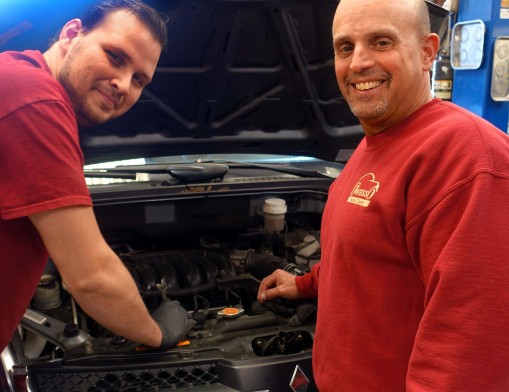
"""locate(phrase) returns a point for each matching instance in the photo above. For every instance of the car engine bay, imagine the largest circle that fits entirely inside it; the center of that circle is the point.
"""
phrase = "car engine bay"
(209, 253)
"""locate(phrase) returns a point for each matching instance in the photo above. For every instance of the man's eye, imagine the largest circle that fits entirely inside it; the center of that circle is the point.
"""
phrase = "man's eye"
(114, 57)
(383, 43)
(138, 80)
(344, 50)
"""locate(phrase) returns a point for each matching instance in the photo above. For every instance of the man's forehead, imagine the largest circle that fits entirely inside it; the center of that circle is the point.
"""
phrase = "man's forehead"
(374, 16)
(356, 6)
(124, 26)
(125, 32)
(120, 18)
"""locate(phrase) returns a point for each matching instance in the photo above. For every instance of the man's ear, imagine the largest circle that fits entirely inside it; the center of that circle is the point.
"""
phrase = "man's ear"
(70, 31)
(430, 46)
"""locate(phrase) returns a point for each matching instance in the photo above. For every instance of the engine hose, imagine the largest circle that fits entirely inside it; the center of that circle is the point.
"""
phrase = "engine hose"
(249, 322)
(176, 293)
(261, 265)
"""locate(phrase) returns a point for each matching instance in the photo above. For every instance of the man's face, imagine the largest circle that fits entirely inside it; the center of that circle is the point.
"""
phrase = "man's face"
(106, 68)
(379, 61)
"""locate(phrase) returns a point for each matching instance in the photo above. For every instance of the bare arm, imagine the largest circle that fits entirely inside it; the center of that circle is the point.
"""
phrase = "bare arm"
(278, 284)
(94, 274)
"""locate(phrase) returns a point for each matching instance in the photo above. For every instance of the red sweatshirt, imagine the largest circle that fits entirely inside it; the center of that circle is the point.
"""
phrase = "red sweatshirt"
(41, 166)
(413, 284)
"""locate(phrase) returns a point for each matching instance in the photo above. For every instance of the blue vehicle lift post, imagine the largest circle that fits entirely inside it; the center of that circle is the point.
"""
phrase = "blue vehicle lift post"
(472, 87)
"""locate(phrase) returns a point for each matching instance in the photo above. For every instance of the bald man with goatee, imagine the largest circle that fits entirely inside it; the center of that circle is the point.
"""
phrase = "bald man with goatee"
(412, 283)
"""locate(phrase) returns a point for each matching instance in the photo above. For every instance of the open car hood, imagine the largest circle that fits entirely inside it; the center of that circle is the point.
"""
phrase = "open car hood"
(239, 76)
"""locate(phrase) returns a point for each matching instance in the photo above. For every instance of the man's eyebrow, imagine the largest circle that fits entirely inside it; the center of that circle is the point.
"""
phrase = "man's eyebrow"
(385, 32)
(339, 38)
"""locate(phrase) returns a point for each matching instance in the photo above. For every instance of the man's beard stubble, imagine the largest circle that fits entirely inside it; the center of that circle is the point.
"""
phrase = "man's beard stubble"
(368, 109)
(68, 73)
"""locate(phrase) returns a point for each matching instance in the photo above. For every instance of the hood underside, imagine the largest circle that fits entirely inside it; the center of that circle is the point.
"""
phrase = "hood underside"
(238, 76)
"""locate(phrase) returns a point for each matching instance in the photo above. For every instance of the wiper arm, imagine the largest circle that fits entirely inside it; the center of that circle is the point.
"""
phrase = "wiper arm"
(281, 169)
(183, 172)
(109, 173)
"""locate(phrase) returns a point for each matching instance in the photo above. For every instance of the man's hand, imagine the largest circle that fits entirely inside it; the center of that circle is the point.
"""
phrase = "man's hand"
(278, 284)
(173, 321)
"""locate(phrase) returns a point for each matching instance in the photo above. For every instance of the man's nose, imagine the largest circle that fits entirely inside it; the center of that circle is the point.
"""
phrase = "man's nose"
(361, 59)
(122, 83)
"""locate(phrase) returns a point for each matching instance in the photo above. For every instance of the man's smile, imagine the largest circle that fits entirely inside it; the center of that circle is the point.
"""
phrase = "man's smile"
(367, 85)
(109, 100)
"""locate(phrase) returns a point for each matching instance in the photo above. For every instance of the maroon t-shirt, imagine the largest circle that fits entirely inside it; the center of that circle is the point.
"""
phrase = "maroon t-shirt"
(41, 168)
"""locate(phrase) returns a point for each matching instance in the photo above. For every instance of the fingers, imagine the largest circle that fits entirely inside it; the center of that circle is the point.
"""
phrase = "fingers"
(173, 322)
(279, 284)
(266, 284)
(270, 294)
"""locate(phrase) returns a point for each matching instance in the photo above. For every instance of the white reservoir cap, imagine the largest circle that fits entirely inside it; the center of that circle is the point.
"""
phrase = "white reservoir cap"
(274, 206)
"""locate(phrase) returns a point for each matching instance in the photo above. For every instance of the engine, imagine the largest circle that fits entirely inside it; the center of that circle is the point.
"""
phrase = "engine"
(211, 258)
(217, 284)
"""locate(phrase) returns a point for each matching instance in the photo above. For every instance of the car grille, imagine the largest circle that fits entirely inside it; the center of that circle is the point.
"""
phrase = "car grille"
(157, 379)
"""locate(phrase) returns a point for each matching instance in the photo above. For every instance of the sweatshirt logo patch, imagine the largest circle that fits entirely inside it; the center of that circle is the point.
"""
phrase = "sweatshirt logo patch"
(364, 190)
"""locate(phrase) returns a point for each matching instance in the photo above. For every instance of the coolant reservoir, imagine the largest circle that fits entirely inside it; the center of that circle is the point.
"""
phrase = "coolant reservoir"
(47, 294)
(274, 211)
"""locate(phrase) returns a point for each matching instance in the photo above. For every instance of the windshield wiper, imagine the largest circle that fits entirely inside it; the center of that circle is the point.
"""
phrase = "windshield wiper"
(200, 171)
(188, 172)
(281, 168)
